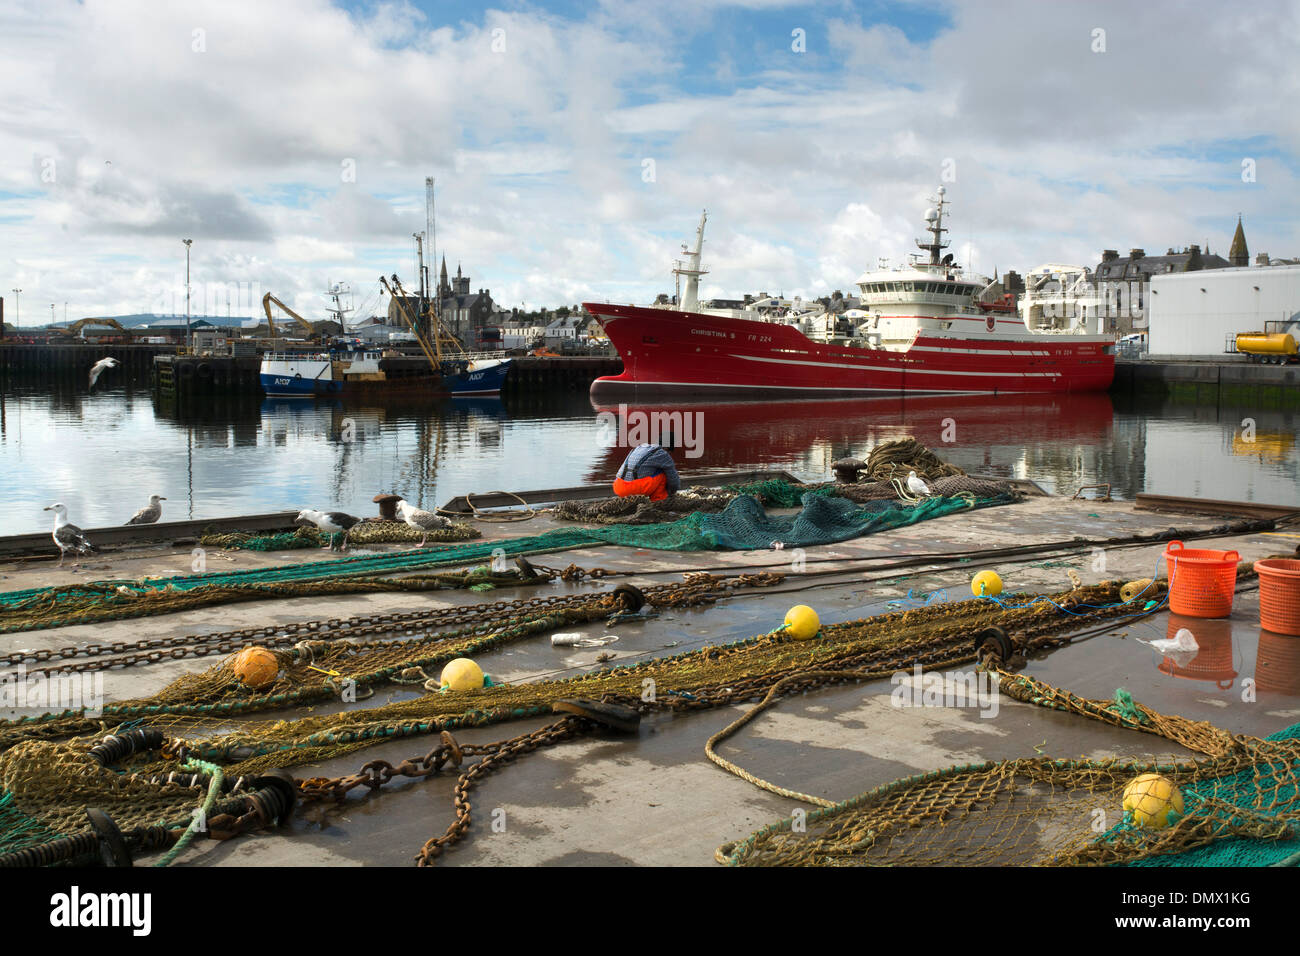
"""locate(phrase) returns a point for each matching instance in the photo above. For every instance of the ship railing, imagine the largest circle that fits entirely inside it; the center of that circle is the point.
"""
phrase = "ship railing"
(477, 356)
(295, 356)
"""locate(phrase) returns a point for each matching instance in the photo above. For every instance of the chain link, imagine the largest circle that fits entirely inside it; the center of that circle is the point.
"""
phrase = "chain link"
(698, 588)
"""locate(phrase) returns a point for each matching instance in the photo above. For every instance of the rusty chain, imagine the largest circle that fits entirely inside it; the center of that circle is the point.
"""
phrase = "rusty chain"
(698, 588)
(502, 754)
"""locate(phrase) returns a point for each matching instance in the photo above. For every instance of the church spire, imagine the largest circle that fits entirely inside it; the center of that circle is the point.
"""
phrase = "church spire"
(444, 287)
(1239, 255)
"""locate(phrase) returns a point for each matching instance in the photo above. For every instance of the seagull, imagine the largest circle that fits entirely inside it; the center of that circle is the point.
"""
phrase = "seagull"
(331, 522)
(915, 485)
(424, 521)
(98, 368)
(150, 512)
(67, 536)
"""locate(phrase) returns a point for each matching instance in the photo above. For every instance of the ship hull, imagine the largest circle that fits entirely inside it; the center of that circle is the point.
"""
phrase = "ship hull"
(486, 380)
(690, 353)
(309, 376)
(295, 386)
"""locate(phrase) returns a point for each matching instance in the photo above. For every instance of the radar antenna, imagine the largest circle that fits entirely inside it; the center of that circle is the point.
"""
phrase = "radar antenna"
(934, 226)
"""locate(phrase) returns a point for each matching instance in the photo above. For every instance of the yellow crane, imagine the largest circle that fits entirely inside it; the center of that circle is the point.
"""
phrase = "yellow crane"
(270, 323)
(80, 324)
(432, 351)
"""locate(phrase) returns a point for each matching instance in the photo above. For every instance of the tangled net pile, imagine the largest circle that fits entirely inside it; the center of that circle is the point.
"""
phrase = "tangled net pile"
(639, 509)
(743, 524)
(943, 487)
(48, 771)
(371, 531)
(1241, 806)
(888, 463)
(894, 459)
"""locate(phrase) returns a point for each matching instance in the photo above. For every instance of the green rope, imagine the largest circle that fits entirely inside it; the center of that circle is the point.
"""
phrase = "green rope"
(201, 818)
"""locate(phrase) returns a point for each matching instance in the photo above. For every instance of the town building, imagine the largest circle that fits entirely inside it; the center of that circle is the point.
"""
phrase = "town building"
(1198, 315)
(1113, 297)
(462, 311)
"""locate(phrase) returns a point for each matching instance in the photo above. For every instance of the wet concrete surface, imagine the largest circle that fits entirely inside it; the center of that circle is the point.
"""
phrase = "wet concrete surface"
(655, 799)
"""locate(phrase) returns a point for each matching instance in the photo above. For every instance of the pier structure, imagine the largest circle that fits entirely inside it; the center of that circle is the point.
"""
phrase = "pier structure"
(610, 799)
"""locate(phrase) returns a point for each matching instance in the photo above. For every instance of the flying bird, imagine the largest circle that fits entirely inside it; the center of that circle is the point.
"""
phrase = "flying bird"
(98, 369)
(331, 522)
(66, 535)
(915, 485)
(150, 512)
(424, 521)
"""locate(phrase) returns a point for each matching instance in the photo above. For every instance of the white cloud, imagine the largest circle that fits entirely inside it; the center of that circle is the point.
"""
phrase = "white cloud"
(536, 128)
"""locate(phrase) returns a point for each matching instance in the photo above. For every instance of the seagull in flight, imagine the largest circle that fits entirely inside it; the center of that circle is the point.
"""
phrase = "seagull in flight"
(67, 535)
(99, 367)
(424, 521)
(916, 486)
(150, 512)
(331, 522)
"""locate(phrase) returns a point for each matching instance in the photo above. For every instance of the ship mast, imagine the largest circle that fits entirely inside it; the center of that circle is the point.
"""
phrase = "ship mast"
(336, 291)
(688, 300)
(934, 216)
(431, 228)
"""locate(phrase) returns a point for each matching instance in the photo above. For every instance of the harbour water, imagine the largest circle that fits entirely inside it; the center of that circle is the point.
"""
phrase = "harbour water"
(102, 454)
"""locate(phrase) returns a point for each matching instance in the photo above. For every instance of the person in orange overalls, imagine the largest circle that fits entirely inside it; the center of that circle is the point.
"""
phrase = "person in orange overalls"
(647, 470)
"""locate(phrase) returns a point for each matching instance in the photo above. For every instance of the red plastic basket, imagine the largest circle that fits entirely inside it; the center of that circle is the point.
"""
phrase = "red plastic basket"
(1279, 595)
(1201, 581)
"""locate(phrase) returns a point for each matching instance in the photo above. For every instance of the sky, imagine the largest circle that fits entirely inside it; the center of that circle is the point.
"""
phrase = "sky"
(575, 145)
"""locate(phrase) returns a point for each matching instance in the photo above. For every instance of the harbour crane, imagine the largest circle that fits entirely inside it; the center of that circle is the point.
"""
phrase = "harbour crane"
(270, 323)
(76, 327)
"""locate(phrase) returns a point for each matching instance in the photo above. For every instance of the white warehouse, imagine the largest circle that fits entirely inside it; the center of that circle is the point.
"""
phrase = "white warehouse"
(1193, 314)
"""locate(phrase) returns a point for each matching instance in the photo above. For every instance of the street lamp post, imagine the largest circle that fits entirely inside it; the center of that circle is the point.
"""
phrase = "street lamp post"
(188, 346)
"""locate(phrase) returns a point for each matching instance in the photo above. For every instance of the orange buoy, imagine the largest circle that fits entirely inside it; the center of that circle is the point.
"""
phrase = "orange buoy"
(256, 666)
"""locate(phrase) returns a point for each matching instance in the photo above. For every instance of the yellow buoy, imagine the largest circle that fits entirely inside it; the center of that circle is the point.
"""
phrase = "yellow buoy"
(802, 622)
(256, 666)
(986, 583)
(1152, 799)
(461, 674)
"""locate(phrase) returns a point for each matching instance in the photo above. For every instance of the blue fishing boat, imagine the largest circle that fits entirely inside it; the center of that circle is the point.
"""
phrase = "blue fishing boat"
(309, 374)
(475, 374)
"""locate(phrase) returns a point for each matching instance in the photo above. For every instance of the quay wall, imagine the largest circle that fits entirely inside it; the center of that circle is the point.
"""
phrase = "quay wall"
(175, 374)
(20, 358)
(201, 375)
(1272, 386)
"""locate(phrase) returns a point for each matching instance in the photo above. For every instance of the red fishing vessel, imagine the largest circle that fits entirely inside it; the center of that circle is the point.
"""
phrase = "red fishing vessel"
(925, 327)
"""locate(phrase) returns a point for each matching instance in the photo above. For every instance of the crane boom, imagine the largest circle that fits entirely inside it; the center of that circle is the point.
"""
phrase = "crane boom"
(80, 324)
(270, 323)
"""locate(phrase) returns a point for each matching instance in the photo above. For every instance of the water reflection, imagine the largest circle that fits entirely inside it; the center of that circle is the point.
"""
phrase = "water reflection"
(1277, 664)
(1213, 660)
(102, 454)
(1053, 439)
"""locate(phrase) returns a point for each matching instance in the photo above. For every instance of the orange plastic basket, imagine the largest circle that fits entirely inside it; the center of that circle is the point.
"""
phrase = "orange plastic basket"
(1201, 582)
(1279, 595)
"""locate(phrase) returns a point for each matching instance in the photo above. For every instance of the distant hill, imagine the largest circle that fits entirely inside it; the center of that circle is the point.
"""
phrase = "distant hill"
(148, 318)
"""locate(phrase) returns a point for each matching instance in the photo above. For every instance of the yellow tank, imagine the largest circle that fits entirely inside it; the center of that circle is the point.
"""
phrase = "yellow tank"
(1257, 343)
